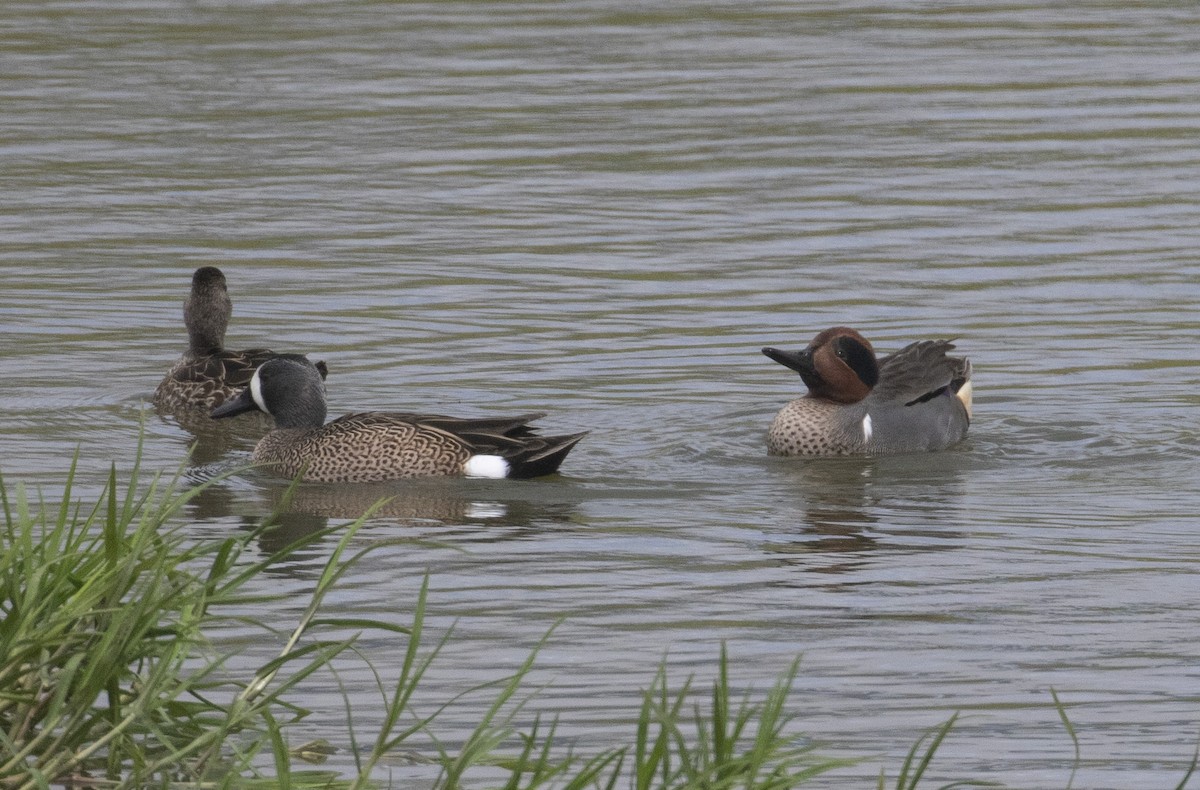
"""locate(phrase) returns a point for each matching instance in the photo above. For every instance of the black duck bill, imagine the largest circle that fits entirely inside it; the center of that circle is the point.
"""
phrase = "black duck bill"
(799, 361)
(239, 404)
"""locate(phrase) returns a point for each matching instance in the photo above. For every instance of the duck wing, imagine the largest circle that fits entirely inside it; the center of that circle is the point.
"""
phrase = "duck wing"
(920, 372)
(233, 369)
(514, 427)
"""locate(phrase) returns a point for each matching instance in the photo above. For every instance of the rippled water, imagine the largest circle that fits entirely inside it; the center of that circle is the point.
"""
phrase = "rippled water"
(603, 211)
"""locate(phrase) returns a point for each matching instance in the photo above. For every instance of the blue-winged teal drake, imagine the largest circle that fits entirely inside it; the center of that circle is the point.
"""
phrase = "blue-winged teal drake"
(208, 374)
(374, 446)
(915, 399)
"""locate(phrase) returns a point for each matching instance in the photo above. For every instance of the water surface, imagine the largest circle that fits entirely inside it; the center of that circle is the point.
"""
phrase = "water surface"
(603, 212)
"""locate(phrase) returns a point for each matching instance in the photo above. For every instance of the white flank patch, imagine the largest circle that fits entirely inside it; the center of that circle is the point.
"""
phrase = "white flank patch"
(866, 428)
(492, 466)
(256, 392)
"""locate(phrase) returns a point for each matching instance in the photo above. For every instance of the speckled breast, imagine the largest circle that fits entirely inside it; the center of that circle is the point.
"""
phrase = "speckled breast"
(812, 427)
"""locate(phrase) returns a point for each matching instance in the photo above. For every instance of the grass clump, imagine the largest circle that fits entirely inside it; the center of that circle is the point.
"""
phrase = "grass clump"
(676, 746)
(106, 675)
(746, 745)
(97, 618)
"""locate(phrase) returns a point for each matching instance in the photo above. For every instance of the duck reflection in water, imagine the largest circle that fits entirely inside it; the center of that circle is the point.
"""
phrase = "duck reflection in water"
(503, 510)
(856, 507)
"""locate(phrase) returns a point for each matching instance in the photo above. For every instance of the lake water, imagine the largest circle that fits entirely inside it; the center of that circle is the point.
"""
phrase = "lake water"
(603, 211)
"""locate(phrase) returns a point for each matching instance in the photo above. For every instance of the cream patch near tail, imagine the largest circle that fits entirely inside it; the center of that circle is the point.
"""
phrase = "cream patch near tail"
(965, 395)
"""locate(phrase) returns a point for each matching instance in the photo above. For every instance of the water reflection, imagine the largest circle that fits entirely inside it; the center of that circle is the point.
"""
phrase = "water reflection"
(282, 529)
(405, 504)
(411, 502)
(213, 440)
(842, 501)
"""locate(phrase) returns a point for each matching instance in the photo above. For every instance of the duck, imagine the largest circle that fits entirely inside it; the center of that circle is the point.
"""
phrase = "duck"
(917, 399)
(378, 446)
(208, 374)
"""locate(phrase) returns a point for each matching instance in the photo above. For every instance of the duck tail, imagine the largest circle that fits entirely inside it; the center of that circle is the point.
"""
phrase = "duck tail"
(540, 455)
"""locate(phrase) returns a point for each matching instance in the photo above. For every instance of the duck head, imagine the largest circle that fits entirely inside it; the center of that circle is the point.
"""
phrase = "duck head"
(288, 387)
(839, 365)
(207, 311)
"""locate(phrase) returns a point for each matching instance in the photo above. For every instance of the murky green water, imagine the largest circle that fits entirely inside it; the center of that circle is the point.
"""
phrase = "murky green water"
(603, 211)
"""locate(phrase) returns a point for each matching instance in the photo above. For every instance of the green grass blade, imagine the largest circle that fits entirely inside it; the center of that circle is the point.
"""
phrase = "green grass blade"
(1062, 715)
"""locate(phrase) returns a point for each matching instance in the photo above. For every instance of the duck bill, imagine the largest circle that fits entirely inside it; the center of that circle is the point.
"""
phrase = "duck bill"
(240, 404)
(799, 361)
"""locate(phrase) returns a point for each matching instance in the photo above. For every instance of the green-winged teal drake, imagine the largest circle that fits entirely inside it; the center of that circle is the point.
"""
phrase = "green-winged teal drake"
(375, 446)
(915, 399)
(208, 374)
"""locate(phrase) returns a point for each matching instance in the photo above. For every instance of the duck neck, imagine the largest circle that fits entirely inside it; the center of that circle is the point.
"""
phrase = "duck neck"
(307, 413)
(206, 316)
